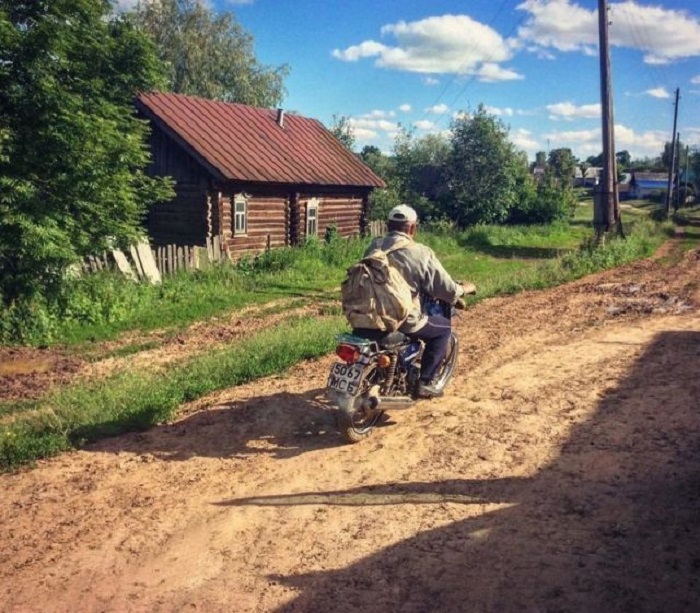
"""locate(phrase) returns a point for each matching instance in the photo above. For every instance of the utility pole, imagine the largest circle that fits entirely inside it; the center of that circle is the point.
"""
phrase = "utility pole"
(669, 187)
(607, 205)
(685, 174)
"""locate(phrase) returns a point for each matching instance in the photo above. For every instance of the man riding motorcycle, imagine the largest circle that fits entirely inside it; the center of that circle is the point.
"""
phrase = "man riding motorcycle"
(424, 273)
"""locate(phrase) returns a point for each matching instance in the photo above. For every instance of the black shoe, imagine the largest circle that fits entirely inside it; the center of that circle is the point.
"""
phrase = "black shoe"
(428, 389)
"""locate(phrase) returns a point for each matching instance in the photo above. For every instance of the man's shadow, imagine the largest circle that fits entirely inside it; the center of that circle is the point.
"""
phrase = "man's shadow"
(282, 425)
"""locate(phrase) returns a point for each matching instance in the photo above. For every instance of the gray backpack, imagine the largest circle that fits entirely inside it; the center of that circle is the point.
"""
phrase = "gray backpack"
(375, 294)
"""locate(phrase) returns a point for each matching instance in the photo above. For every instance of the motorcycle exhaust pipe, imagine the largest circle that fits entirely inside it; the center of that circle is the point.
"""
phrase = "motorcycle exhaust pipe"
(394, 402)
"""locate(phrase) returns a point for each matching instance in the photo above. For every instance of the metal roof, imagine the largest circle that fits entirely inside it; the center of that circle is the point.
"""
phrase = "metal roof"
(245, 143)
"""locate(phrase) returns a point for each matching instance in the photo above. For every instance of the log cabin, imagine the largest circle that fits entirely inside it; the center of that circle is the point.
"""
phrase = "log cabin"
(256, 178)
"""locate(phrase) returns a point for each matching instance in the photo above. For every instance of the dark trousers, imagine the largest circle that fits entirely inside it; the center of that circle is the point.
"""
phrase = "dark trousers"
(436, 335)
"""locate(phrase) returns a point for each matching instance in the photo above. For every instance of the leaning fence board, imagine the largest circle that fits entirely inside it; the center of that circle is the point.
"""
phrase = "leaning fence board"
(123, 264)
(145, 256)
(136, 261)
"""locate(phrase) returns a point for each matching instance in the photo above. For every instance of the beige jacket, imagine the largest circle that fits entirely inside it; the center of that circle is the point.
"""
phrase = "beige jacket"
(423, 272)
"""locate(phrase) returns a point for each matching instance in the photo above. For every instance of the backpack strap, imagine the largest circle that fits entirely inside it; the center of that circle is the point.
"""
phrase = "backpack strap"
(399, 245)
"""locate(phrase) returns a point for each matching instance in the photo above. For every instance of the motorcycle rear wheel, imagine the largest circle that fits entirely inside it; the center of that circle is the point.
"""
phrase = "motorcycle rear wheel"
(353, 424)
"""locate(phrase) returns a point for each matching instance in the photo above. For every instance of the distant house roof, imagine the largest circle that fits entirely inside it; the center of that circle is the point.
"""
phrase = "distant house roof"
(653, 177)
(245, 143)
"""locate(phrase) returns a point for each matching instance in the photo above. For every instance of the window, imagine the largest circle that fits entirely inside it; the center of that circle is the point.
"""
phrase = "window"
(240, 215)
(312, 218)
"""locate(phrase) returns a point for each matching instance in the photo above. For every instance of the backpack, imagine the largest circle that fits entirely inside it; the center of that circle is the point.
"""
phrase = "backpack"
(375, 294)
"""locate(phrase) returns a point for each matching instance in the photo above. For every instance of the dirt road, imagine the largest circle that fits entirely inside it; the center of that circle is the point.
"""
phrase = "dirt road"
(561, 473)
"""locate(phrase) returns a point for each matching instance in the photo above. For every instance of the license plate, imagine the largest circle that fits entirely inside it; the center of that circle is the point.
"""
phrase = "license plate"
(345, 378)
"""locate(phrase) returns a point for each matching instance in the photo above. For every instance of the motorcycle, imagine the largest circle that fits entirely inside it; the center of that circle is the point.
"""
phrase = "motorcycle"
(380, 371)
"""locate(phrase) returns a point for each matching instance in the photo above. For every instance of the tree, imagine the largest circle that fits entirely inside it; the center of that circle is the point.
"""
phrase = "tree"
(421, 171)
(342, 130)
(209, 54)
(624, 159)
(562, 162)
(484, 170)
(71, 179)
(540, 158)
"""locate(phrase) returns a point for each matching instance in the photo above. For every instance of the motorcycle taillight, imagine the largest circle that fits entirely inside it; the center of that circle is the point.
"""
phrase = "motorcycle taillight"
(347, 353)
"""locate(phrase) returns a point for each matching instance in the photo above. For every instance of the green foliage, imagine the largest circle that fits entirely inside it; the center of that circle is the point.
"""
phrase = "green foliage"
(137, 400)
(208, 54)
(562, 163)
(341, 128)
(72, 149)
(550, 200)
(420, 172)
(484, 170)
(100, 305)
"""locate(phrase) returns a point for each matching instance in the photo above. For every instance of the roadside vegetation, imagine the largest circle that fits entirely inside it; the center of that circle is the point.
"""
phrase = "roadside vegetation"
(73, 183)
(498, 259)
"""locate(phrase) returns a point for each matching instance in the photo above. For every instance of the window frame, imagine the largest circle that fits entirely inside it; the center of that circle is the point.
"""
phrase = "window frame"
(239, 199)
(312, 206)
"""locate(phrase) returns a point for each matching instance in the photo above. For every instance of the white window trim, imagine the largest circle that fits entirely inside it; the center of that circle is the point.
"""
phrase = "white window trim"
(237, 200)
(311, 205)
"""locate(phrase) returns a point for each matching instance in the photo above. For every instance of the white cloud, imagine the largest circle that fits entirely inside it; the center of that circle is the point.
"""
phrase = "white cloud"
(405, 108)
(569, 111)
(367, 127)
(695, 80)
(523, 139)
(589, 142)
(503, 112)
(490, 73)
(448, 44)
(430, 81)
(658, 92)
(378, 114)
(438, 109)
(369, 48)
(662, 34)
(559, 24)
(424, 124)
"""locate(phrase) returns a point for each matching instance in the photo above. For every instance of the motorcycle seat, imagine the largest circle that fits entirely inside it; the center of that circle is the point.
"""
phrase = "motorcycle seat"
(385, 340)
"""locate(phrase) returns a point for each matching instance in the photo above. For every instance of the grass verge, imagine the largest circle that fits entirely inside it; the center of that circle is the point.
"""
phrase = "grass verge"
(132, 401)
(137, 400)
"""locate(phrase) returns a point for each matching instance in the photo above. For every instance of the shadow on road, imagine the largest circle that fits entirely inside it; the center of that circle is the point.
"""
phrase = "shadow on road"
(612, 525)
(282, 425)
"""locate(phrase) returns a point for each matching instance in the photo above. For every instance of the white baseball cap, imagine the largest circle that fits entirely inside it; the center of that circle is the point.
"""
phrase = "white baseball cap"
(403, 212)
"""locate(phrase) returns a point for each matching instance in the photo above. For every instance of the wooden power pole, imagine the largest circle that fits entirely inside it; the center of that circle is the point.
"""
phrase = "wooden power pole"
(606, 214)
(672, 169)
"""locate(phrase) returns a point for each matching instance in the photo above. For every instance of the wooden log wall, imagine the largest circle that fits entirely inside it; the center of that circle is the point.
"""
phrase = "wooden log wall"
(182, 221)
(268, 226)
(343, 212)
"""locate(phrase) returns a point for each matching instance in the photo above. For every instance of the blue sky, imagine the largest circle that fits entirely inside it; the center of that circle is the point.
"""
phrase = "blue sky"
(533, 63)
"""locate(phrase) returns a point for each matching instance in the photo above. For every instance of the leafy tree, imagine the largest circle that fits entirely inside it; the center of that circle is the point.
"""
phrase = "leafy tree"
(209, 54)
(421, 171)
(562, 162)
(72, 148)
(342, 130)
(484, 170)
(540, 158)
(624, 159)
(381, 201)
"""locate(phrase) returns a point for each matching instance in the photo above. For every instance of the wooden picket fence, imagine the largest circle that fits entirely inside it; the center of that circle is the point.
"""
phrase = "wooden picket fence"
(377, 228)
(142, 262)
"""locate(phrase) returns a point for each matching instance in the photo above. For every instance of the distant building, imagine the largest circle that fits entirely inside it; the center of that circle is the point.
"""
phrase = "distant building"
(648, 184)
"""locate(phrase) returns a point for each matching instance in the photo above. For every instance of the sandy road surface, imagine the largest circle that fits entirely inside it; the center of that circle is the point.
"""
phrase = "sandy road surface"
(560, 473)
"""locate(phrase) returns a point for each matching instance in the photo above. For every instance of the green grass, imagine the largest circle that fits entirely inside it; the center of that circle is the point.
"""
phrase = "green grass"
(133, 400)
(499, 260)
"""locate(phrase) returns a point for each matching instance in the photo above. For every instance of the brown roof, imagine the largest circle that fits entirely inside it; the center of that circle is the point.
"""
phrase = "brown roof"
(244, 143)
